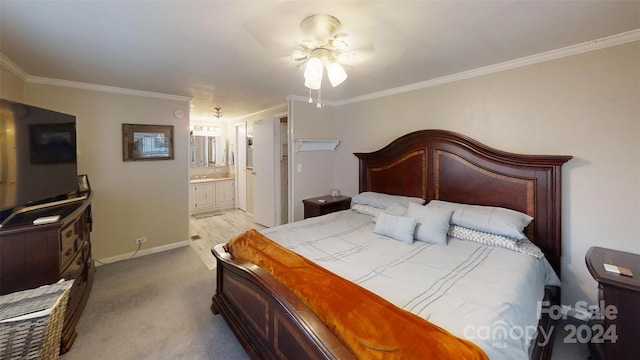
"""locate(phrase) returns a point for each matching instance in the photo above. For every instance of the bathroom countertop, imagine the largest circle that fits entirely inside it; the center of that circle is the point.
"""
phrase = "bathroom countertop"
(203, 180)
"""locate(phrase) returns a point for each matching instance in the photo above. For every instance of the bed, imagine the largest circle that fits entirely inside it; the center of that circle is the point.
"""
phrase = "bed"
(272, 322)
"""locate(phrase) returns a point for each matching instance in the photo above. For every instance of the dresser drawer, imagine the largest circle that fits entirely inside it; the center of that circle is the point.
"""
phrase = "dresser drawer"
(68, 245)
(76, 270)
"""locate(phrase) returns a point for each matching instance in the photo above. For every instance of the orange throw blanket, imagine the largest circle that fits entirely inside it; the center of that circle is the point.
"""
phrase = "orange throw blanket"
(371, 327)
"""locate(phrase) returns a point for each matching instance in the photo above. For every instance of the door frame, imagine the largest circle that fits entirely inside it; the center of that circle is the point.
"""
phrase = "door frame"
(240, 163)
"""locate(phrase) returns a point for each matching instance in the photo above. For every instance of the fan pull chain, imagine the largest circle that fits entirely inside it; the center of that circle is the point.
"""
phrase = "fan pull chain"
(319, 103)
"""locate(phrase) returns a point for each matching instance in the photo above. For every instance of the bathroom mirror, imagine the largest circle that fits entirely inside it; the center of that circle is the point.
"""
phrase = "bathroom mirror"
(204, 151)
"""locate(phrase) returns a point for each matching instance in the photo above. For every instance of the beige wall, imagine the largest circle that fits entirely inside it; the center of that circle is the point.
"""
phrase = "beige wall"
(586, 105)
(11, 86)
(318, 167)
(131, 199)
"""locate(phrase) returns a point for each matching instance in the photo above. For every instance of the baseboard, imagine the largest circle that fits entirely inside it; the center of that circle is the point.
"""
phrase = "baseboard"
(141, 252)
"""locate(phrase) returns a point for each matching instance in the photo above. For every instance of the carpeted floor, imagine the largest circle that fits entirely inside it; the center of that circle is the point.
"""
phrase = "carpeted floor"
(154, 307)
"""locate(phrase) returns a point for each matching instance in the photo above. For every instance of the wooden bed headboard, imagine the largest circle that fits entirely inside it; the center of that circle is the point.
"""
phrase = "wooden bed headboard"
(444, 165)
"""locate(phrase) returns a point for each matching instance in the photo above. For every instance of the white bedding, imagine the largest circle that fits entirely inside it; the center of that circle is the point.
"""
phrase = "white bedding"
(486, 294)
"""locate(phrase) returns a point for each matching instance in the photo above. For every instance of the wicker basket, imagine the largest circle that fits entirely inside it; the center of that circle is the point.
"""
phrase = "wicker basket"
(31, 322)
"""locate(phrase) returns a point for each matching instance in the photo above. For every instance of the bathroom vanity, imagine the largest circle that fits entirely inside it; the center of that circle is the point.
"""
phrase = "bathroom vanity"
(207, 194)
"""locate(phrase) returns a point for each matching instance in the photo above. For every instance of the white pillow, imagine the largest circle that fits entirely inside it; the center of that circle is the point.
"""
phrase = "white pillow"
(396, 227)
(383, 201)
(432, 223)
(397, 209)
(495, 220)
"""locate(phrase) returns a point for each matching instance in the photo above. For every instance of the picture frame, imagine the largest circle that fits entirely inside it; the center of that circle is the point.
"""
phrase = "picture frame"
(83, 184)
(142, 142)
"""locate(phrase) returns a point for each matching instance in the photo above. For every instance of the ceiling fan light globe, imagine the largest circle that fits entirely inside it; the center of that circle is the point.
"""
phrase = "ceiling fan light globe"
(313, 74)
(313, 84)
(336, 74)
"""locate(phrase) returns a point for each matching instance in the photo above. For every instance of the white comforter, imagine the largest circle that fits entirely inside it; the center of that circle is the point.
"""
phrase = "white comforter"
(486, 294)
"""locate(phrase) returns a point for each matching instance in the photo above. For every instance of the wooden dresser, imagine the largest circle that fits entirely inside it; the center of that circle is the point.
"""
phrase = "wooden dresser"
(35, 255)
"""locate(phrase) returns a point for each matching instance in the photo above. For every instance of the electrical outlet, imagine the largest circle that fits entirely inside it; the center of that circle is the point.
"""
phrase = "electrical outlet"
(141, 240)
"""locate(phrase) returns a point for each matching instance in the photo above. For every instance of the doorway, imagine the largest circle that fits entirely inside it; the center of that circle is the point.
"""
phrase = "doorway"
(262, 185)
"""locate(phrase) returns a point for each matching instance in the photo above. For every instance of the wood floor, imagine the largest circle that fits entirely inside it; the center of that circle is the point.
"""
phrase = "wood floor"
(205, 233)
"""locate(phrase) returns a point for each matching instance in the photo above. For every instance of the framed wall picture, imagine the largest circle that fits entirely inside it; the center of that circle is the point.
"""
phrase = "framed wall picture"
(147, 142)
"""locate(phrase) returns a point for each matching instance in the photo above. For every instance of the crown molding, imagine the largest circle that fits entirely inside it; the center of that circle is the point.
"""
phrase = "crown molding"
(16, 70)
(104, 88)
(280, 107)
(609, 41)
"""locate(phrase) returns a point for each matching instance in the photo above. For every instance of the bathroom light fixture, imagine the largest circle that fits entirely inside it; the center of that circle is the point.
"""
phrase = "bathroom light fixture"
(320, 50)
(217, 113)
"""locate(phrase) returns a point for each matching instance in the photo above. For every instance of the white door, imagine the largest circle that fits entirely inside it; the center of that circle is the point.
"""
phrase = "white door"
(241, 166)
(265, 207)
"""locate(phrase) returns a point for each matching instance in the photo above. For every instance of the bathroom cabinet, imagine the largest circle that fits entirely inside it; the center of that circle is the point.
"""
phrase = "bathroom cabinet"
(211, 194)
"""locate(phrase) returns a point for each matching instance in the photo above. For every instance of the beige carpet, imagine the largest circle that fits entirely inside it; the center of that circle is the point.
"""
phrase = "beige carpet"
(154, 307)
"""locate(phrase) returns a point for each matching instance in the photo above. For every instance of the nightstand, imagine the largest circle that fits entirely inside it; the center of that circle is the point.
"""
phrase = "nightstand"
(325, 204)
(621, 292)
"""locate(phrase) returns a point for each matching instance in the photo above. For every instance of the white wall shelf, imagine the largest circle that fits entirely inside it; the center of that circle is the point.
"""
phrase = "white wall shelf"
(316, 145)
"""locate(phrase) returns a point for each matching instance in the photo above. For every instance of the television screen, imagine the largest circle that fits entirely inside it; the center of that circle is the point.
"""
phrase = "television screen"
(37, 156)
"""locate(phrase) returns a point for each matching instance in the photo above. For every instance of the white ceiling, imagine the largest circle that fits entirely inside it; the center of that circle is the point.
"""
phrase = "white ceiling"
(235, 54)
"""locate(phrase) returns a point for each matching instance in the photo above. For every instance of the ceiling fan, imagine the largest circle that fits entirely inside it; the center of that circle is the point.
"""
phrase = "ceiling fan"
(322, 48)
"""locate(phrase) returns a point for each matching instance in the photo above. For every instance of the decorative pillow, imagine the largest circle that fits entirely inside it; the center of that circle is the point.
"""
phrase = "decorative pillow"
(383, 201)
(366, 209)
(396, 227)
(495, 220)
(523, 245)
(481, 237)
(432, 223)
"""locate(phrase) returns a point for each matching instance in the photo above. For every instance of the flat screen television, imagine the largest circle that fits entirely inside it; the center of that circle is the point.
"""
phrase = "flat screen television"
(38, 162)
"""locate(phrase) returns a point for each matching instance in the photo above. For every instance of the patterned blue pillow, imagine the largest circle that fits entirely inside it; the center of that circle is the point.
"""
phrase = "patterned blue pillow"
(523, 245)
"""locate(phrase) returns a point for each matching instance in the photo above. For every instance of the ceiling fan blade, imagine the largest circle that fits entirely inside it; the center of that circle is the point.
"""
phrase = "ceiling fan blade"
(356, 57)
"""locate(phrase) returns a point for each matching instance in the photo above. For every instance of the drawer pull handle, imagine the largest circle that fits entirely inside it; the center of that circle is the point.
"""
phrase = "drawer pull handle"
(68, 252)
(69, 233)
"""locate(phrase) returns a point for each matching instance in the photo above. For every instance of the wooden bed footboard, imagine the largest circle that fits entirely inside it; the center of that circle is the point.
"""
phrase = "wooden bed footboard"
(270, 321)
